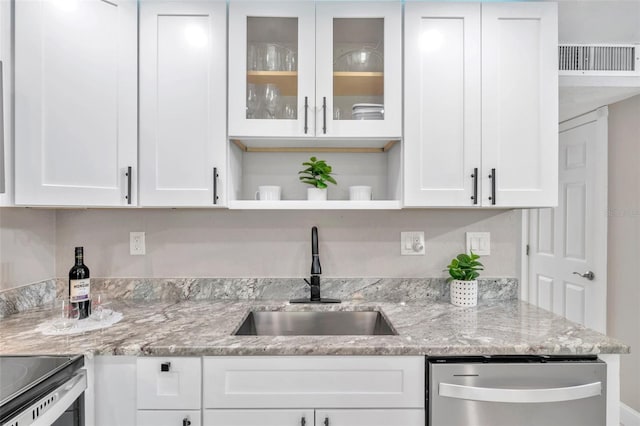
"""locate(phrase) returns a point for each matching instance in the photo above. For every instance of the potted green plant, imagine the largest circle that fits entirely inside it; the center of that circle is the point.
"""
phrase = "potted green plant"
(463, 271)
(317, 174)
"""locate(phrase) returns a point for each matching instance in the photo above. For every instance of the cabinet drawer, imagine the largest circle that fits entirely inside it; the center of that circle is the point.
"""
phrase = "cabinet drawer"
(312, 381)
(298, 417)
(168, 418)
(178, 388)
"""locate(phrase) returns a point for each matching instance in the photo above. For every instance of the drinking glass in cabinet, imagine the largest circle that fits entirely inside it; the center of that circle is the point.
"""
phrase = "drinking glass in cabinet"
(272, 63)
(358, 68)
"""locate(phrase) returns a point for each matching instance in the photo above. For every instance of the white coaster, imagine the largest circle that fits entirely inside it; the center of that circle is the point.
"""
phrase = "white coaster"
(48, 328)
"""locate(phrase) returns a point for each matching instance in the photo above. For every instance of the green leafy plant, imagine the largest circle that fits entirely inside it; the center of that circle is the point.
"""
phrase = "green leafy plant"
(317, 173)
(464, 267)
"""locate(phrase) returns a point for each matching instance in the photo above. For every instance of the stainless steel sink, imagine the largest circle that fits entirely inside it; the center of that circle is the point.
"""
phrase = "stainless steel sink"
(327, 323)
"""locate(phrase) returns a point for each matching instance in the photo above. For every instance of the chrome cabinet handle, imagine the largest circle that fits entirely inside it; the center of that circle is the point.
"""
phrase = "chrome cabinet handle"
(128, 175)
(215, 185)
(303, 421)
(186, 422)
(492, 176)
(2, 168)
(324, 115)
(306, 114)
(473, 393)
(165, 366)
(588, 275)
(474, 197)
(326, 421)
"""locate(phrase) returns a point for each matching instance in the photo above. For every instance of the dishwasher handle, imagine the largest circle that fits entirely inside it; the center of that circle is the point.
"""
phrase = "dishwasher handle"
(473, 393)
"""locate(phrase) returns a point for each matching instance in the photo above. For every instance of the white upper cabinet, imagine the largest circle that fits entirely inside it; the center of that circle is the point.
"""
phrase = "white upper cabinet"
(183, 103)
(271, 69)
(330, 69)
(75, 102)
(358, 69)
(6, 109)
(520, 104)
(442, 104)
(480, 117)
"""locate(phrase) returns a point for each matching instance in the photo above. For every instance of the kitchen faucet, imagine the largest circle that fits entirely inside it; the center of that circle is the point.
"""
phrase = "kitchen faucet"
(316, 270)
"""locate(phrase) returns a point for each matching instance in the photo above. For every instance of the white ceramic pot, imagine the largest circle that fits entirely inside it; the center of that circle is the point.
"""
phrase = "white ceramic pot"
(464, 293)
(317, 194)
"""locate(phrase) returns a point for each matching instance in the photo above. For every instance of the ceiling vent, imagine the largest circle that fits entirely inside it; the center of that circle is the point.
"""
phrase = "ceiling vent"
(599, 59)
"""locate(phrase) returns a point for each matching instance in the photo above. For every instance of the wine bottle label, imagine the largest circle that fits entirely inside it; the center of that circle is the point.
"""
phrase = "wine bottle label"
(79, 290)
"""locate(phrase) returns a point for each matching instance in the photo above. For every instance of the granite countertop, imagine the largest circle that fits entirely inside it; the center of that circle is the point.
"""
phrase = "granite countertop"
(206, 328)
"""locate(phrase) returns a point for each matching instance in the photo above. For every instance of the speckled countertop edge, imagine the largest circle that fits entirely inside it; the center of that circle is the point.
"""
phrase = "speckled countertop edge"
(200, 328)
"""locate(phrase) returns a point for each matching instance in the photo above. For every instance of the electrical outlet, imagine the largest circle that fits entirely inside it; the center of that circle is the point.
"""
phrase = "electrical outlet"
(136, 243)
(479, 243)
(412, 243)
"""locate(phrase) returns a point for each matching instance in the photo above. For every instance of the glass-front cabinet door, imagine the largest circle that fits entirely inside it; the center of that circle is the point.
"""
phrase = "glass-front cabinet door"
(271, 69)
(358, 69)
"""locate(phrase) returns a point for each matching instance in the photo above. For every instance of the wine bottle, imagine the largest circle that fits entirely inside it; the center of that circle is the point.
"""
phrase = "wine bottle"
(80, 285)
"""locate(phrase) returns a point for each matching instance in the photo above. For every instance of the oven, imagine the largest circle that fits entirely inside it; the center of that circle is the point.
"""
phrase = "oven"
(42, 390)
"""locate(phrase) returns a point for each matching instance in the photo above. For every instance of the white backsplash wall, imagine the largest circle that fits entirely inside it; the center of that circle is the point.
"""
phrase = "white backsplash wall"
(221, 243)
(27, 246)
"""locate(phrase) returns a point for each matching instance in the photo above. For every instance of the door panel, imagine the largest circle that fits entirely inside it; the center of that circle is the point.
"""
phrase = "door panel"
(358, 61)
(442, 103)
(578, 226)
(249, 417)
(261, 35)
(519, 104)
(76, 100)
(182, 102)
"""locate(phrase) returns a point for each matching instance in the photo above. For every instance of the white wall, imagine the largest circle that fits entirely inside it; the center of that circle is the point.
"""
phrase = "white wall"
(593, 21)
(623, 288)
(214, 243)
(27, 246)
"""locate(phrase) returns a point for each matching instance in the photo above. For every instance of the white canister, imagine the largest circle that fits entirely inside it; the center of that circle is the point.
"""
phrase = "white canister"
(464, 293)
(268, 193)
(360, 193)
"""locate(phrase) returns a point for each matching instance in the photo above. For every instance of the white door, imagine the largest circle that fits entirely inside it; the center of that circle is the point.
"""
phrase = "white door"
(519, 104)
(271, 69)
(442, 104)
(572, 238)
(248, 417)
(359, 69)
(374, 417)
(75, 102)
(183, 103)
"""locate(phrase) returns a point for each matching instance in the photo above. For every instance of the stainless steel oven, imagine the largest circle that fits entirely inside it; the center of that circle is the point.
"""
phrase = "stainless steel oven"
(42, 390)
(516, 390)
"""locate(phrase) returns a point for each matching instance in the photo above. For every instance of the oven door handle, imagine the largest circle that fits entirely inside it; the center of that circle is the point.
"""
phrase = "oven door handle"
(68, 392)
(542, 395)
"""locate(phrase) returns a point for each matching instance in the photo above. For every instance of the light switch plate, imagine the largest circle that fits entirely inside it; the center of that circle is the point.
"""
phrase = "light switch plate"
(412, 243)
(479, 243)
(136, 244)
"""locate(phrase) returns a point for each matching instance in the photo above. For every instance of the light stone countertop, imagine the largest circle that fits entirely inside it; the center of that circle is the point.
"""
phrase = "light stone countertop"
(195, 328)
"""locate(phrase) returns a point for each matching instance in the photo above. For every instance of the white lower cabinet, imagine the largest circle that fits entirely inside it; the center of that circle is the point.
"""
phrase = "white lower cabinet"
(341, 417)
(313, 390)
(404, 417)
(168, 418)
(298, 417)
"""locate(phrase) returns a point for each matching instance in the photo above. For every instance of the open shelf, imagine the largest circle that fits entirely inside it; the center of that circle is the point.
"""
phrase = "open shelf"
(358, 83)
(287, 81)
(367, 146)
(315, 205)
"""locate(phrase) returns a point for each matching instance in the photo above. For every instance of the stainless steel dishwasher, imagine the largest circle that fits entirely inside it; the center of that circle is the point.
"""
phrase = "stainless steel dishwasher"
(516, 391)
